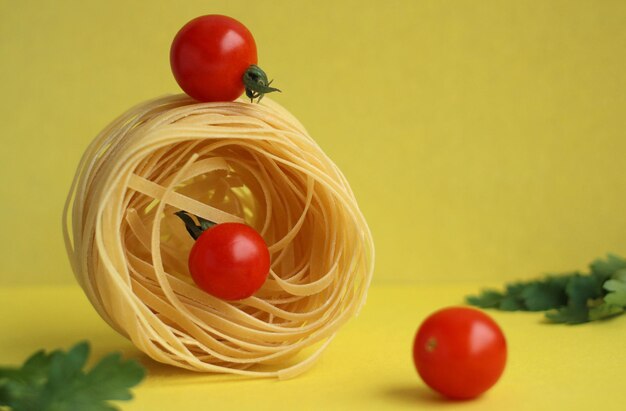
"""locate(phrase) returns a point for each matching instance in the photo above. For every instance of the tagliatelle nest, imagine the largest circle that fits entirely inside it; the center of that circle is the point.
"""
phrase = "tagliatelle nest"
(233, 161)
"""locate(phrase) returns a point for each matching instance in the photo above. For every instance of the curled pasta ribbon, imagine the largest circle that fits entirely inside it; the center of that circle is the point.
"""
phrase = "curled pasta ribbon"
(231, 161)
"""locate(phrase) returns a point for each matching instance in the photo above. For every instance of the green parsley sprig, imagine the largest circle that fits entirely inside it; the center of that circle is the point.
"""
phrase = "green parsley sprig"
(56, 381)
(571, 298)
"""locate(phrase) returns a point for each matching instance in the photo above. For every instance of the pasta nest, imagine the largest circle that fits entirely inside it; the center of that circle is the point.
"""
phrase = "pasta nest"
(230, 161)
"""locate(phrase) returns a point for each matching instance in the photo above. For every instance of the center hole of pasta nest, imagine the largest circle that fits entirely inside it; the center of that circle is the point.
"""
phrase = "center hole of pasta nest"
(225, 188)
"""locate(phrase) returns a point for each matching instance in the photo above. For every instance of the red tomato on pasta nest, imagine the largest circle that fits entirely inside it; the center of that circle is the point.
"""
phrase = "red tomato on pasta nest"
(214, 57)
(229, 261)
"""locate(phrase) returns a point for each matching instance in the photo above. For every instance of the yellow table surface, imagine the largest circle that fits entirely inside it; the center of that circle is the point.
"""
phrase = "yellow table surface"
(367, 367)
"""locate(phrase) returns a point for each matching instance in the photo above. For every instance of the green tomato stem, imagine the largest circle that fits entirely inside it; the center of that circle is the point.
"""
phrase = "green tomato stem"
(257, 84)
(195, 230)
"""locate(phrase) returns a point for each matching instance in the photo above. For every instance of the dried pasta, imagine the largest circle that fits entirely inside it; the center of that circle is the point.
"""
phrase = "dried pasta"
(227, 161)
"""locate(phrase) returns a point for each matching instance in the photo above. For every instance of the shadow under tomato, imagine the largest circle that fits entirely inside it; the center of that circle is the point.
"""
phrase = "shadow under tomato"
(417, 394)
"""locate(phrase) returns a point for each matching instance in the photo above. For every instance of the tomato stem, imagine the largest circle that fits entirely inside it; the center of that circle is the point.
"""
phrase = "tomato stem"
(431, 344)
(195, 230)
(257, 84)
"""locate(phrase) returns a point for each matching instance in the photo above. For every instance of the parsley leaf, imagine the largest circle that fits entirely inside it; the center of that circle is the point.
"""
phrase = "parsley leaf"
(487, 299)
(570, 298)
(607, 267)
(57, 381)
(616, 288)
(544, 295)
(603, 311)
(525, 296)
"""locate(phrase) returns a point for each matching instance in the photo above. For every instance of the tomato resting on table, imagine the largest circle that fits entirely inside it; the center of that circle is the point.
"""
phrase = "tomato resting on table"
(214, 58)
(459, 352)
(230, 260)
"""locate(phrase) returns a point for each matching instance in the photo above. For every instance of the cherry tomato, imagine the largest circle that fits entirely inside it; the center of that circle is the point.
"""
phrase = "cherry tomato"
(229, 261)
(459, 352)
(210, 55)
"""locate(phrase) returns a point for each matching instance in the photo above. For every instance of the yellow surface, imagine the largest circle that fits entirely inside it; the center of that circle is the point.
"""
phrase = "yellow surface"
(483, 139)
(367, 367)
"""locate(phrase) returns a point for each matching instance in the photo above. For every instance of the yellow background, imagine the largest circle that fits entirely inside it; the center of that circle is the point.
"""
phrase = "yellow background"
(484, 139)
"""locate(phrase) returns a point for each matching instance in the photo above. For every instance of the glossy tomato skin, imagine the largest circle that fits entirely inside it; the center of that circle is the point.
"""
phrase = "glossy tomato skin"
(229, 261)
(459, 352)
(209, 56)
